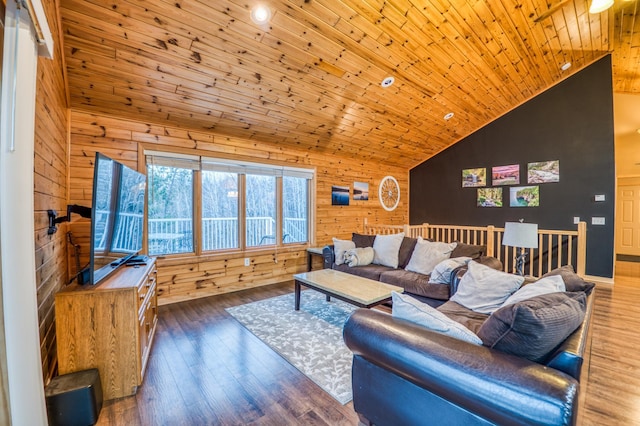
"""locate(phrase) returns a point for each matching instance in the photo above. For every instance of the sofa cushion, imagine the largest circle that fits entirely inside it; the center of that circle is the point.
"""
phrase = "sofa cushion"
(372, 271)
(572, 281)
(483, 289)
(411, 309)
(415, 283)
(470, 319)
(406, 249)
(533, 327)
(340, 248)
(362, 240)
(386, 249)
(427, 254)
(469, 250)
(551, 284)
(442, 272)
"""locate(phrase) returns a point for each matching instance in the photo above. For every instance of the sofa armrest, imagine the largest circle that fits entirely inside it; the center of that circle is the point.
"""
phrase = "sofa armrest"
(328, 257)
(499, 387)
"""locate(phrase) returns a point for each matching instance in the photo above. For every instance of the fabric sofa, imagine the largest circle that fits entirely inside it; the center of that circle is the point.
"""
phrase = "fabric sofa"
(405, 373)
(413, 282)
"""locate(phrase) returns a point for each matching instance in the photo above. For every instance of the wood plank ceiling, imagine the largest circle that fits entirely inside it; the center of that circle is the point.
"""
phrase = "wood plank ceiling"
(310, 79)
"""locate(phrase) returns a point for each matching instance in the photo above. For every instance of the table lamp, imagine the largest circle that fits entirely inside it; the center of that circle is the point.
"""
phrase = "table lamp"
(523, 235)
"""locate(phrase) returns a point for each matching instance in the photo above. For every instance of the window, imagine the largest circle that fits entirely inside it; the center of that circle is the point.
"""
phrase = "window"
(242, 205)
(219, 210)
(170, 205)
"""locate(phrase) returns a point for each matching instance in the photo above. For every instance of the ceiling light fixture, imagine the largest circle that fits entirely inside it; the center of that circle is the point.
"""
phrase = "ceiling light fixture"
(260, 14)
(638, 130)
(565, 66)
(388, 81)
(448, 116)
(598, 6)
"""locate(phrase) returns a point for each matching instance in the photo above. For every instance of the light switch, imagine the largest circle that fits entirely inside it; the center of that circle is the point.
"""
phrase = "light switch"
(599, 197)
(597, 220)
(576, 220)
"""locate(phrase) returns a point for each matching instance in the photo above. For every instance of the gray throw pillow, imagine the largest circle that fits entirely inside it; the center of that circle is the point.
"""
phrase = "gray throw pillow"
(427, 254)
(483, 289)
(411, 309)
(552, 284)
(386, 249)
(572, 281)
(441, 274)
(534, 327)
(468, 250)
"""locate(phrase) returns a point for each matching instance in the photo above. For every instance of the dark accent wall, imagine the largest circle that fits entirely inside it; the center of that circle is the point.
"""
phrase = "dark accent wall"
(571, 122)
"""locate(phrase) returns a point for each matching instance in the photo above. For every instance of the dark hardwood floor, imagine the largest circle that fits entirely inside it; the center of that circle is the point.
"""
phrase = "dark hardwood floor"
(206, 369)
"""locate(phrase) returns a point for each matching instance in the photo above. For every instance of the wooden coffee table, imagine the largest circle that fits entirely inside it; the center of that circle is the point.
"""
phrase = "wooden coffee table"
(358, 291)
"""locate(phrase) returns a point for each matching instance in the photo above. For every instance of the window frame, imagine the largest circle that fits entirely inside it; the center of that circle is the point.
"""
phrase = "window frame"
(239, 164)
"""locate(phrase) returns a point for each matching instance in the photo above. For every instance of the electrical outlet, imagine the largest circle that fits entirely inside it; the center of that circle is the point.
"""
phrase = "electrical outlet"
(597, 220)
(247, 261)
(576, 220)
(599, 197)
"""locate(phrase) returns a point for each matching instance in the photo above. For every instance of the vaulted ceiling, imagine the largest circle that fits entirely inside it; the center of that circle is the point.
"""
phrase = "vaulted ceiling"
(311, 78)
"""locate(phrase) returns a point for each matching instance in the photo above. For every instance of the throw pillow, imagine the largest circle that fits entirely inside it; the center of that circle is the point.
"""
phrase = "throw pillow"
(340, 247)
(406, 249)
(484, 289)
(553, 284)
(359, 256)
(427, 254)
(534, 327)
(441, 274)
(411, 309)
(572, 281)
(386, 248)
(469, 250)
(362, 240)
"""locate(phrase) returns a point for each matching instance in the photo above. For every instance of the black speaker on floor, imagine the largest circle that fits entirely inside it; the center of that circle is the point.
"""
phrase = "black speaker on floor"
(74, 399)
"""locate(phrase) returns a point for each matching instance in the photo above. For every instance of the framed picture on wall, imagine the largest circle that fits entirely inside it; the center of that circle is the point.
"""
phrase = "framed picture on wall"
(489, 197)
(474, 177)
(360, 191)
(339, 195)
(505, 175)
(543, 172)
(524, 196)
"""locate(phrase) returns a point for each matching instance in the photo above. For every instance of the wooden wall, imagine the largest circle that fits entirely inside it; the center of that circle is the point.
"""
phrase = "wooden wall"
(187, 277)
(50, 188)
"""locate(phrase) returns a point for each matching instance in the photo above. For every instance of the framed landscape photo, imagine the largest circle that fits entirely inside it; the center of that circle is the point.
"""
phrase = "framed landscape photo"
(524, 196)
(489, 197)
(505, 175)
(360, 191)
(339, 195)
(543, 172)
(474, 177)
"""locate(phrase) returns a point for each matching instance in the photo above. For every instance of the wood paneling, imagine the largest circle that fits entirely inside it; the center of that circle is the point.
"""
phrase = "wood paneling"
(310, 79)
(189, 277)
(50, 191)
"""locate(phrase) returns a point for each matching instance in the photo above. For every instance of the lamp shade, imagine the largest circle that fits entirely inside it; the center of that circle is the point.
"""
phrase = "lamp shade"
(517, 234)
(598, 6)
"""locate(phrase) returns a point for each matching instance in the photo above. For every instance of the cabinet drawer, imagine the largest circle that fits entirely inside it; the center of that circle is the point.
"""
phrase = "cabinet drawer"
(143, 290)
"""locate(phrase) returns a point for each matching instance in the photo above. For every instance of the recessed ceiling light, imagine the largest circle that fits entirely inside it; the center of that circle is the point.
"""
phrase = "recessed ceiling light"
(448, 116)
(388, 81)
(260, 14)
(638, 130)
(565, 66)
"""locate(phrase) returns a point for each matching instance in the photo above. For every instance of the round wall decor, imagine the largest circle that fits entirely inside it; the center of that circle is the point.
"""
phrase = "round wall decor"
(389, 193)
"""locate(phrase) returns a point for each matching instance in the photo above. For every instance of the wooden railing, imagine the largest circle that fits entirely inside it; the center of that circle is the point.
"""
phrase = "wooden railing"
(555, 247)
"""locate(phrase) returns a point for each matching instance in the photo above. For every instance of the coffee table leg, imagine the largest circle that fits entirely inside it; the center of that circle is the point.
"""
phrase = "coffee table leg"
(297, 291)
(328, 298)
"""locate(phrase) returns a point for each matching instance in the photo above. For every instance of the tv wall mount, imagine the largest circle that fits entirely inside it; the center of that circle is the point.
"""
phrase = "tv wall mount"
(71, 208)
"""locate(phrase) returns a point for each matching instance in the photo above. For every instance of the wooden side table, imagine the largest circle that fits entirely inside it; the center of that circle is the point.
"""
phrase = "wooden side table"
(312, 251)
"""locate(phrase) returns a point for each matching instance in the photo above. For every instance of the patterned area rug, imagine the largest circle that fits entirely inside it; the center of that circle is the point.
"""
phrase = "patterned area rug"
(310, 339)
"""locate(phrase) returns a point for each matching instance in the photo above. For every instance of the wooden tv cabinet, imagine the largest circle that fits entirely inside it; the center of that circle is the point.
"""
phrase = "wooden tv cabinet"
(109, 326)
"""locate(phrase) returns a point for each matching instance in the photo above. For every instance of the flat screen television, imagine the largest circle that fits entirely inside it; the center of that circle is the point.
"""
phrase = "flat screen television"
(117, 216)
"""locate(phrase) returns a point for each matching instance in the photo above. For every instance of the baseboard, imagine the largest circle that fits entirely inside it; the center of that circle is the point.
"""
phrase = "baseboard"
(599, 280)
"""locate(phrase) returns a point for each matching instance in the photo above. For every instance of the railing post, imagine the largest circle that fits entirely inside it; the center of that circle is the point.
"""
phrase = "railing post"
(405, 229)
(490, 240)
(582, 248)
